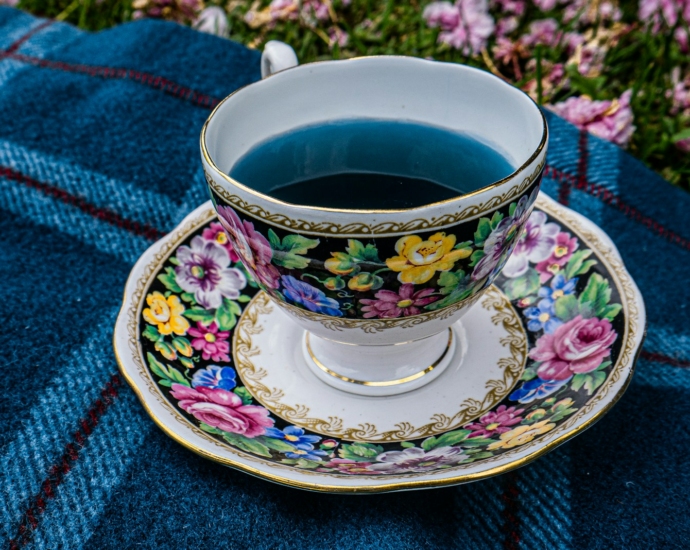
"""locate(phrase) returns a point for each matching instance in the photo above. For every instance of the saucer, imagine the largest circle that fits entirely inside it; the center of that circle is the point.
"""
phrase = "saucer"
(541, 356)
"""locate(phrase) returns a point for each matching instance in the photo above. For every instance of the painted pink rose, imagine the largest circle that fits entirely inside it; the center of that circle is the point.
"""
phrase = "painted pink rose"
(215, 232)
(495, 422)
(561, 253)
(405, 302)
(252, 247)
(576, 347)
(223, 410)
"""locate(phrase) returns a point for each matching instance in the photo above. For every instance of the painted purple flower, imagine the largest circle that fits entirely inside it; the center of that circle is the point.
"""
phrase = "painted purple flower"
(495, 422)
(500, 242)
(534, 245)
(609, 120)
(576, 347)
(216, 233)
(212, 342)
(223, 410)
(303, 294)
(415, 459)
(204, 272)
(536, 389)
(405, 302)
(252, 247)
(215, 377)
(561, 253)
(465, 25)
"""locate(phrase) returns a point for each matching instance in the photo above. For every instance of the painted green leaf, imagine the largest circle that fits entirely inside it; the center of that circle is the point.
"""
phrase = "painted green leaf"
(604, 365)
(174, 261)
(406, 444)
(156, 366)
(529, 373)
(476, 256)
(610, 311)
(362, 452)
(594, 380)
(307, 464)
(576, 266)
(279, 445)
(522, 286)
(247, 444)
(567, 307)
(151, 333)
(446, 440)
(511, 208)
(479, 456)
(202, 315)
(290, 260)
(188, 297)
(288, 252)
(165, 382)
(358, 250)
(169, 280)
(244, 395)
(243, 298)
(187, 363)
(177, 377)
(578, 381)
(227, 313)
(482, 232)
(209, 429)
(274, 239)
(464, 244)
(496, 219)
(561, 413)
(597, 294)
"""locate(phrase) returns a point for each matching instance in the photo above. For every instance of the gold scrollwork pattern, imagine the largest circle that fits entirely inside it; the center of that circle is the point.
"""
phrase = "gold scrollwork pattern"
(271, 398)
(329, 228)
(371, 326)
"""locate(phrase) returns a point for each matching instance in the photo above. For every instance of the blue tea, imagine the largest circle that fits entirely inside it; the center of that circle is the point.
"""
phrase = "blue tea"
(370, 164)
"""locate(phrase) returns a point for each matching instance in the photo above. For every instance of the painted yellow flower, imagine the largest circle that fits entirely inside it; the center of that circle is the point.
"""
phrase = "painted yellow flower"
(419, 260)
(166, 314)
(521, 435)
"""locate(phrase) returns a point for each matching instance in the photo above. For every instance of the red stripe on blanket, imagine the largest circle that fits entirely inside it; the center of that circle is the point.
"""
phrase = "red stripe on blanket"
(30, 520)
(18, 43)
(115, 73)
(660, 358)
(105, 214)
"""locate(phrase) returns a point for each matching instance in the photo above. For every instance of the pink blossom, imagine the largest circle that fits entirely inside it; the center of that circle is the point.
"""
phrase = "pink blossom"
(465, 26)
(655, 11)
(589, 12)
(283, 9)
(515, 7)
(506, 26)
(495, 422)
(405, 302)
(10, 3)
(576, 347)
(252, 247)
(683, 145)
(545, 5)
(215, 232)
(590, 59)
(222, 409)
(213, 343)
(681, 36)
(561, 253)
(610, 120)
(544, 32)
(338, 36)
(182, 11)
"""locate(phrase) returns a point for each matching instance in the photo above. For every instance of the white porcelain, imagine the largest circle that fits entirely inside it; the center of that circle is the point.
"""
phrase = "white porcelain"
(301, 399)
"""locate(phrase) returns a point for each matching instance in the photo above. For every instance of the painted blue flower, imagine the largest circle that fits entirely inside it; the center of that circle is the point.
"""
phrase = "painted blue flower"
(295, 436)
(559, 287)
(310, 297)
(312, 454)
(542, 317)
(536, 389)
(215, 377)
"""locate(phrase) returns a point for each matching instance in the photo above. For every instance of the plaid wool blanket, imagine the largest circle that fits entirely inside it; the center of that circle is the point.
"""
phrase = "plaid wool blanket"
(98, 159)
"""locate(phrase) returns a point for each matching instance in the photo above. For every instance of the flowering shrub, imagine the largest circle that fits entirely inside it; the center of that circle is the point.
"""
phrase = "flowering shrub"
(619, 69)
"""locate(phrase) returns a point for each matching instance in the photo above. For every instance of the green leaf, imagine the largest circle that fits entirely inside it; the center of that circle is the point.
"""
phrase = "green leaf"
(244, 395)
(246, 444)
(446, 440)
(169, 280)
(529, 373)
(188, 297)
(361, 452)
(298, 244)
(482, 232)
(307, 464)
(274, 239)
(464, 244)
(288, 253)
(357, 250)
(227, 313)
(496, 219)
(243, 298)
(604, 365)
(279, 445)
(567, 307)
(187, 363)
(578, 381)
(610, 311)
(290, 260)
(594, 380)
(511, 208)
(151, 333)
(479, 456)
(156, 366)
(597, 294)
(683, 134)
(206, 317)
(522, 286)
(174, 261)
(209, 429)
(476, 256)
(406, 444)
(576, 264)
(177, 377)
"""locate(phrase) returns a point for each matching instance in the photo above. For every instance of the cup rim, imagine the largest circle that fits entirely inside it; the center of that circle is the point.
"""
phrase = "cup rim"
(460, 198)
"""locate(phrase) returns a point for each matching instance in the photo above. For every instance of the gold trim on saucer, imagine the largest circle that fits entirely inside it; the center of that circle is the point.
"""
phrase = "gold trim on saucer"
(244, 350)
(130, 360)
(383, 383)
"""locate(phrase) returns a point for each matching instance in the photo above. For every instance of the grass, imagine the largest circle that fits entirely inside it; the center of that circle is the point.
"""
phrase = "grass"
(638, 59)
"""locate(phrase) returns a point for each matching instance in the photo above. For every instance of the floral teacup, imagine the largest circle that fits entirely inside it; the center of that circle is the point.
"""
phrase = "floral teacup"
(377, 292)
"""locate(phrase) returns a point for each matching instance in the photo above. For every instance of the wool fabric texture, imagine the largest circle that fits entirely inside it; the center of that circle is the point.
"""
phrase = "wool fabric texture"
(99, 157)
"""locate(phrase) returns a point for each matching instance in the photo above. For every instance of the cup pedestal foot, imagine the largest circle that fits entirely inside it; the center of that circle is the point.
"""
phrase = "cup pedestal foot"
(379, 370)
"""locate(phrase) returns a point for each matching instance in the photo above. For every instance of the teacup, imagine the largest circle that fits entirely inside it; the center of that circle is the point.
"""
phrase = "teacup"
(313, 262)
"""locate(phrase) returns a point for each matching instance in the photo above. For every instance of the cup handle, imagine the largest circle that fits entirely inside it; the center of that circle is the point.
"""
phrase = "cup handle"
(277, 56)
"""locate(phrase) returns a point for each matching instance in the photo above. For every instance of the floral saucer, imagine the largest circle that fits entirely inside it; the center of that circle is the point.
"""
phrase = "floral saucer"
(544, 354)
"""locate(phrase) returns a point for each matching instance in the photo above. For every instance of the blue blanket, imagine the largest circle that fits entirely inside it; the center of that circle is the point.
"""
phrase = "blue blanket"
(99, 158)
